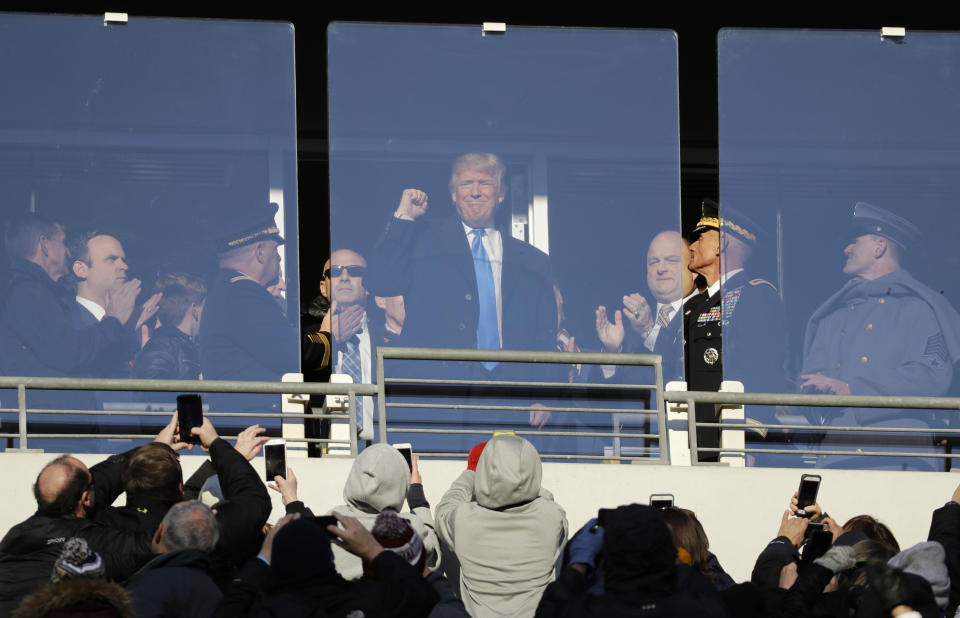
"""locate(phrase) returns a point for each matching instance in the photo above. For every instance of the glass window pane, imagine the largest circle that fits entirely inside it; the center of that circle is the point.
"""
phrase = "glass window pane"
(585, 125)
(840, 149)
(173, 141)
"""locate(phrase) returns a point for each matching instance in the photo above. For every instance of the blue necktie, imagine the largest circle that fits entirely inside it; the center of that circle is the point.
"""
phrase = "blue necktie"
(488, 334)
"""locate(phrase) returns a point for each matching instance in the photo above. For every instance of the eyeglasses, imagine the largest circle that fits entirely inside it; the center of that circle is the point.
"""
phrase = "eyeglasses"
(353, 271)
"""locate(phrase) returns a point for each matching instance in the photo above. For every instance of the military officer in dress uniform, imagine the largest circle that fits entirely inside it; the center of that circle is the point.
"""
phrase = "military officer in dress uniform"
(882, 333)
(244, 334)
(746, 310)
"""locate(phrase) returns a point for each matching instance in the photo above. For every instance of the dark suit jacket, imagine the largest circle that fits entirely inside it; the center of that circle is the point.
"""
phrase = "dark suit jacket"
(430, 264)
(114, 360)
(245, 336)
(669, 345)
(38, 336)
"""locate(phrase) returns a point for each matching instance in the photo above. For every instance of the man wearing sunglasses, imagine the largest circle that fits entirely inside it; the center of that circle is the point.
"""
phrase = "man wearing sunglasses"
(356, 333)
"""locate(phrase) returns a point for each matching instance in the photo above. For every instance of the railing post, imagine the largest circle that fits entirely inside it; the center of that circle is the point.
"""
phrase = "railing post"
(692, 431)
(381, 397)
(663, 446)
(354, 437)
(22, 414)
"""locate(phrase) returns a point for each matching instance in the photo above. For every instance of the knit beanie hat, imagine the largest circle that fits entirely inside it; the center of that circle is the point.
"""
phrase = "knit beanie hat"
(396, 534)
(77, 560)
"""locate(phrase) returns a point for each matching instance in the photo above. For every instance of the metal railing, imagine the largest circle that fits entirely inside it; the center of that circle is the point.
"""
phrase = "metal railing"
(380, 391)
(22, 384)
(690, 398)
(524, 356)
(653, 391)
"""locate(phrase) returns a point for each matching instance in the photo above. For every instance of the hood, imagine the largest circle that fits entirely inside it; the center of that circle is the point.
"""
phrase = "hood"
(638, 553)
(83, 596)
(379, 480)
(928, 560)
(508, 472)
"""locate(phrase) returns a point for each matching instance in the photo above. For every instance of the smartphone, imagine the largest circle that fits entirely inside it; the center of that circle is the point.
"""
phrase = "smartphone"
(807, 494)
(661, 501)
(816, 545)
(407, 451)
(190, 415)
(275, 453)
(323, 521)
(815, 527)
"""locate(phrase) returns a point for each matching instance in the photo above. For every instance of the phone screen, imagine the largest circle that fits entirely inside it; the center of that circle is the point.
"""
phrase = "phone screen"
(407, 451)
(190, 415)
(807, 494)
(661, 501)
(323, 521)
(276, 459)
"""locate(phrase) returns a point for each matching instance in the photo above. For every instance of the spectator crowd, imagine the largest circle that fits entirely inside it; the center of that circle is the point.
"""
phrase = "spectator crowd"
(497, 544)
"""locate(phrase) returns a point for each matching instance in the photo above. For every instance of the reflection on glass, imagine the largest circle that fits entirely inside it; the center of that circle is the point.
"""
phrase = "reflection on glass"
(134, 161)
(503, 211)
(920, 330)
(852, 190)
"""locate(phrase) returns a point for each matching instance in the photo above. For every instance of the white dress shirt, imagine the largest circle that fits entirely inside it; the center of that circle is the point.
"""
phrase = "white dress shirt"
(97, 311)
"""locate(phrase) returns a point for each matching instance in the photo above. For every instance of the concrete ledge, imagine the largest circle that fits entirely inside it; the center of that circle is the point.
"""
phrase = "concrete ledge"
(740, 508)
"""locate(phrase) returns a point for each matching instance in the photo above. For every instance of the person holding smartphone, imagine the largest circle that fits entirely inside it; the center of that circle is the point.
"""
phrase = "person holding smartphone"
(379, 480)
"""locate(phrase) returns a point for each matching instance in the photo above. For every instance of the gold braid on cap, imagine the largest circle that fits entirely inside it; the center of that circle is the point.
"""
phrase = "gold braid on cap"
(736, 228)
(264, 232)
(709, 222)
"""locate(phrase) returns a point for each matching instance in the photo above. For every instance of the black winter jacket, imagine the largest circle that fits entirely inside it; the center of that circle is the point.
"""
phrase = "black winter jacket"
(169, 355)
(174, 585)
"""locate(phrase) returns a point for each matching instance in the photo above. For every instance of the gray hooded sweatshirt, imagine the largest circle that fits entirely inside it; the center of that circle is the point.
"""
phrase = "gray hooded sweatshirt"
(379, 481)
(505, 529)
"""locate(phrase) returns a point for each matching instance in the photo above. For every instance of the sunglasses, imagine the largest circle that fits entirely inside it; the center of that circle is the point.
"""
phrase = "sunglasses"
(352, 271)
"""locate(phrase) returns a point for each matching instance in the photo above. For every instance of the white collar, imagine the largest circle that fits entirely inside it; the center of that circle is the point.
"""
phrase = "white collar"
(724, 277)
(468, 230)
(97, 311)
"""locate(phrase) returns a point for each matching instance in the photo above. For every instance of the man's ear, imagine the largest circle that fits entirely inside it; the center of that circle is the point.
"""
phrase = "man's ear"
(381, 301)
(158, 535)
(881, 247)
(260, 253)
(80, 269)
(86, 502)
